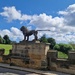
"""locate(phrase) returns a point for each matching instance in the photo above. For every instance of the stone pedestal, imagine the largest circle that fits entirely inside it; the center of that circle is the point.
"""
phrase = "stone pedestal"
(32, 54)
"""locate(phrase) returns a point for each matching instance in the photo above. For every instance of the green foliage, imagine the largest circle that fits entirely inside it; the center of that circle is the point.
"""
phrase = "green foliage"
(57, 47)
(72, 44)
(52, 42)
(7, 40)
(63, 48)
(6, 47)
(43, 39)
(1, 40)
(4, 41)
(48, 40)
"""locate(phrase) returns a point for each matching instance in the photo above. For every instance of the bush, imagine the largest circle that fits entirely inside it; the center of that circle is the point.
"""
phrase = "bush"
(63, 48)
(52, 42)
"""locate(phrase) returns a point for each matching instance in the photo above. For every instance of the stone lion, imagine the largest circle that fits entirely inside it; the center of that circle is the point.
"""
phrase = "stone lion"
(28, 33)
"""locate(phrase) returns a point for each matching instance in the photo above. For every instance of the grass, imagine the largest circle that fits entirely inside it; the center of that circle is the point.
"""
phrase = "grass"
(6, 47)
(62, 55)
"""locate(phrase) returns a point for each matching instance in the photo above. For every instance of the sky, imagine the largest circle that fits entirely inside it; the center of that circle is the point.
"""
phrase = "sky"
(56, 15)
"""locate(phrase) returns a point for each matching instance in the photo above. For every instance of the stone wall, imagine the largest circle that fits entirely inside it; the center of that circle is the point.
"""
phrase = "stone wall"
(53, 54)
(2, 51)
(71, 55)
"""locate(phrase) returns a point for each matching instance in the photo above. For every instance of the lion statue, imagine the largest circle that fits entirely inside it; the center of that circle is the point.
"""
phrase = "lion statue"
(28, 33)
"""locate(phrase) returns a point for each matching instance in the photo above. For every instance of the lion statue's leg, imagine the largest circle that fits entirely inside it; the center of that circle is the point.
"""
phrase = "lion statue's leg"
(35, 35)
(24, 37)
(27, 38)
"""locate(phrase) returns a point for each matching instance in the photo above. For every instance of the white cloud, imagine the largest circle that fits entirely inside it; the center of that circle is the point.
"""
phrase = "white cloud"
(26, 17)
(46, 21)
(69, 15)
(5, 32)
(14, 33)
(59, 26)
(12, 14)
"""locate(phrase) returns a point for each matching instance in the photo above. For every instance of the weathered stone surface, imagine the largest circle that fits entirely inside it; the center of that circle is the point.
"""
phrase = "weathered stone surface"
(2, 51)
(1, 59)
(52, 54)
(31, 52)
(71, 55)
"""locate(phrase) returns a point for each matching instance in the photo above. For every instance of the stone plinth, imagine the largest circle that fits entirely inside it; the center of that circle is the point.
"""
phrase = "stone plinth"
(53, 54)
(31, 53)
(71, 55)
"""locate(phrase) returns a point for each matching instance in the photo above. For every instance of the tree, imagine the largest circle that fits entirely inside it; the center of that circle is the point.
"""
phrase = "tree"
(57, 47)
(7, 40)
(52, 42)
(72, 44)
(43, 39)
(1, 40)
(4, 41)
(63, 48)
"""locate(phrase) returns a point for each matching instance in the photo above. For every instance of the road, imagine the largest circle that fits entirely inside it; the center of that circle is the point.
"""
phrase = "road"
(5, 71)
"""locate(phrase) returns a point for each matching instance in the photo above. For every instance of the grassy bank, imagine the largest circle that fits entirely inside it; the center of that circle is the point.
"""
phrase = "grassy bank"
(6, 47)
(62, 55)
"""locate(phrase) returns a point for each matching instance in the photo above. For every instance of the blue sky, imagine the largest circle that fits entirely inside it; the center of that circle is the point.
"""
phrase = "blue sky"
(56, 15)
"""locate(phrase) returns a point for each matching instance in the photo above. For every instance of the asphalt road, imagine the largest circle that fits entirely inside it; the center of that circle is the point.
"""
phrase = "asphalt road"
(5, 71)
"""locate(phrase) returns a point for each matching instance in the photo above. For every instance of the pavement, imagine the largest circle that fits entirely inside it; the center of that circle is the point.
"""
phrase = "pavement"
(32, 71)
(6, 71)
